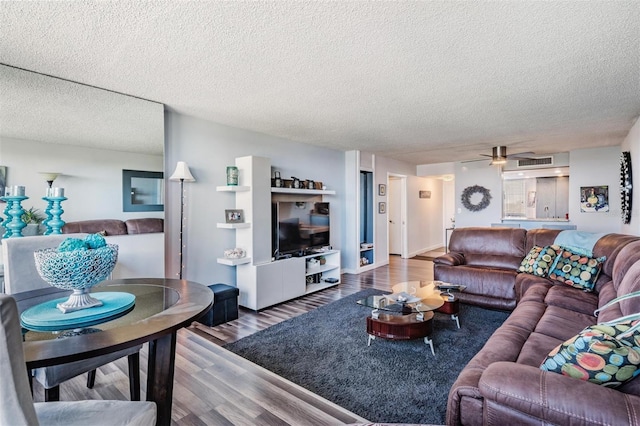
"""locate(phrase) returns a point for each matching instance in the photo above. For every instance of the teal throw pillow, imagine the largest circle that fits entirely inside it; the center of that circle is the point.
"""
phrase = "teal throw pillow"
(539, 260)
(577, 270)
(598, 354)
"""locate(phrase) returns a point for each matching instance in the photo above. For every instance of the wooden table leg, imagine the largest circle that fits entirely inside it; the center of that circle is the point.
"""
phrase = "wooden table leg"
(162, 357)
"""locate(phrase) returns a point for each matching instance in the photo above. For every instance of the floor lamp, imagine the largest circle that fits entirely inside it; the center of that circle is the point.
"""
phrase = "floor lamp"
(182, 174)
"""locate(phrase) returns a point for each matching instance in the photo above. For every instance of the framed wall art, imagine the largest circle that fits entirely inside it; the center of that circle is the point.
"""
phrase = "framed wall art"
(594, 199)
(234, 216)
(3, 179)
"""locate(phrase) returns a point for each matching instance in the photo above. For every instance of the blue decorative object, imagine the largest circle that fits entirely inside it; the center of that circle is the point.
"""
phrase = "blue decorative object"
(47, 212)
(95, 241)
(14, 211)
(76, 270)
(71, 244)
(55, 224)
(46, 316)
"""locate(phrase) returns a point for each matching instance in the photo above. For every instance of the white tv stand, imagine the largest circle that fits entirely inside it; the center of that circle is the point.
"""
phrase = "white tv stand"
(263, 282)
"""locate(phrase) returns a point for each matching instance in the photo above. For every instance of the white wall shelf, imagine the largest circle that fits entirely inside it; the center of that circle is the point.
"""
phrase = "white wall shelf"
(233, 225)
(234, 262)
(320, 269)
(303, 191)
(232, 188)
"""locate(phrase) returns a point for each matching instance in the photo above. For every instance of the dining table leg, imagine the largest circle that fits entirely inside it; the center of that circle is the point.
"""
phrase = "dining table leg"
(162, 356)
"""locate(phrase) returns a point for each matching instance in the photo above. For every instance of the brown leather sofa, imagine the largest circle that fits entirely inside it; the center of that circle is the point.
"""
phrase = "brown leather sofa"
(503, 383)
(486, 260)
(115, 226)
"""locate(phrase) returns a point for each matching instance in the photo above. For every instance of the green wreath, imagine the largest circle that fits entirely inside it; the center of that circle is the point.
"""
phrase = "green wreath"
(475, 189)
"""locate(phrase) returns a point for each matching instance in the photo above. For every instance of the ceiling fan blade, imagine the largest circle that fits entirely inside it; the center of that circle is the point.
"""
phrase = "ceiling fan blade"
(473, 161)
(521, 155)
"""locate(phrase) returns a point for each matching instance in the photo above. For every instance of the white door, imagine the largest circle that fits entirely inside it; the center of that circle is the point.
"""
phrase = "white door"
(394, 214)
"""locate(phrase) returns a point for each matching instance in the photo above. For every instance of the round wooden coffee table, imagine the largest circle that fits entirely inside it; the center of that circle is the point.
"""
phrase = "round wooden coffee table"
(401, 327)
(405, 314)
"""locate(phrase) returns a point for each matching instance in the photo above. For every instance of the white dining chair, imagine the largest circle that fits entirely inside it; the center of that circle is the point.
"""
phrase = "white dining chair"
(21, 275)
(16, 402)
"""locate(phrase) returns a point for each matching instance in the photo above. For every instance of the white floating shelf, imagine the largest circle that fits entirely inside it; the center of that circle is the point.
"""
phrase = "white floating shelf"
(233, 262)
(233, 225)
(232, 188)
(303, 191)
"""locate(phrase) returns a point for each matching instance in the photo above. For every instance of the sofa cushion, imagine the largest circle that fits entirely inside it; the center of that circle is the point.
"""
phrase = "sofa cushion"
(536, 348)
(562, 323)
(144, 225)
(572, 299)
(611, 245)
(541, 237)
(105, 226)
(628, 256)
(539, 260)
(599, 354)
(501, 248)
(577, 270)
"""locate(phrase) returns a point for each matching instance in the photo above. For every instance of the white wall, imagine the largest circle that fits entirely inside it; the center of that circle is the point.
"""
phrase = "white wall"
(91, 178)
(632, 144)
(209, 148)
(595, 167)
(424, 215)
(384, 167)
(482, 174)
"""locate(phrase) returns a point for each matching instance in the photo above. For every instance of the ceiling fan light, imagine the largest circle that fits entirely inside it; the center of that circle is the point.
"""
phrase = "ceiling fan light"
(499, 155)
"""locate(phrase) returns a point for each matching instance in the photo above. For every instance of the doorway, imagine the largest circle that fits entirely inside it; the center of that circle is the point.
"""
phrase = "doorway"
(397, 219)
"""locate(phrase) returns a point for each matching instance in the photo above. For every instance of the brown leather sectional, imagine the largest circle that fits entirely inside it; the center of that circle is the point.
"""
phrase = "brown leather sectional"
(115, 226)
(503, 383)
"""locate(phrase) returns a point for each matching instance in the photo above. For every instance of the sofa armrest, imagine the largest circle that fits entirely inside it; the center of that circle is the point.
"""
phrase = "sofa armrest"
(533, 396)
(450, 259)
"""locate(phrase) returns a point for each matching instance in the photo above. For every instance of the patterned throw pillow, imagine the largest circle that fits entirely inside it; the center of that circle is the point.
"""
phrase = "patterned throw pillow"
(539, 260)
(599, 355)
(577, 270)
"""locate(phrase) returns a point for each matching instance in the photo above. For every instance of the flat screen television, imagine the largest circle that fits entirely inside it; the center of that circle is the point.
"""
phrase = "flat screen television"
(299, 226)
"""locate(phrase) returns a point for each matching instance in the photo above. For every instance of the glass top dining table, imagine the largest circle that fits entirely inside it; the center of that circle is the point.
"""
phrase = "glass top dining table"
(162, 306)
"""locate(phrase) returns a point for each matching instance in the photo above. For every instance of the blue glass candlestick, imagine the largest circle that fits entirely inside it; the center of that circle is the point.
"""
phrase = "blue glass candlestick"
(55, 224)
(13, 224)
(47, 212)
(7, 218)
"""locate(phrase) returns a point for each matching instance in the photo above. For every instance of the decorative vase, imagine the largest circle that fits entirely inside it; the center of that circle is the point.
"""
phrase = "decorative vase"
(76, 270)
(232, 175)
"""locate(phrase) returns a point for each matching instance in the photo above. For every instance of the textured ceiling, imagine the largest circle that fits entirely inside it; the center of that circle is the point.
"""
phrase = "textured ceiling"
(40, 108)
(423, 82)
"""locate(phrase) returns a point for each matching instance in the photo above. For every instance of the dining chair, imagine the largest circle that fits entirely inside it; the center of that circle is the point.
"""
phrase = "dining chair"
(16, 401)
(21, 275)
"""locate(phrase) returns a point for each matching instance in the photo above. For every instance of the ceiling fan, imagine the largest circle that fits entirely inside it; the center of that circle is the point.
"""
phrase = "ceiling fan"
(499, 155)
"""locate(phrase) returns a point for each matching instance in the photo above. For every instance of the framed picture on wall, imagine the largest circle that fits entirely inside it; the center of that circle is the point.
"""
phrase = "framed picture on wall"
(382, 208)
(424, 194)
(234, 216)
(382, 189)
(3, 179)
(594, 199)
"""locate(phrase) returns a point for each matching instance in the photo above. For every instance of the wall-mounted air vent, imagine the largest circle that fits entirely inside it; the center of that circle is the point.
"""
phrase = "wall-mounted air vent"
(532, 162)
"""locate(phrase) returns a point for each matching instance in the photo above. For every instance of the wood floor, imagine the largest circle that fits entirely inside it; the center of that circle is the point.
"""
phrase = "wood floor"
(216, 387)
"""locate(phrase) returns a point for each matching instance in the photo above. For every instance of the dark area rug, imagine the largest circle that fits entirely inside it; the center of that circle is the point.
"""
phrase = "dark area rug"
(326, 352)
